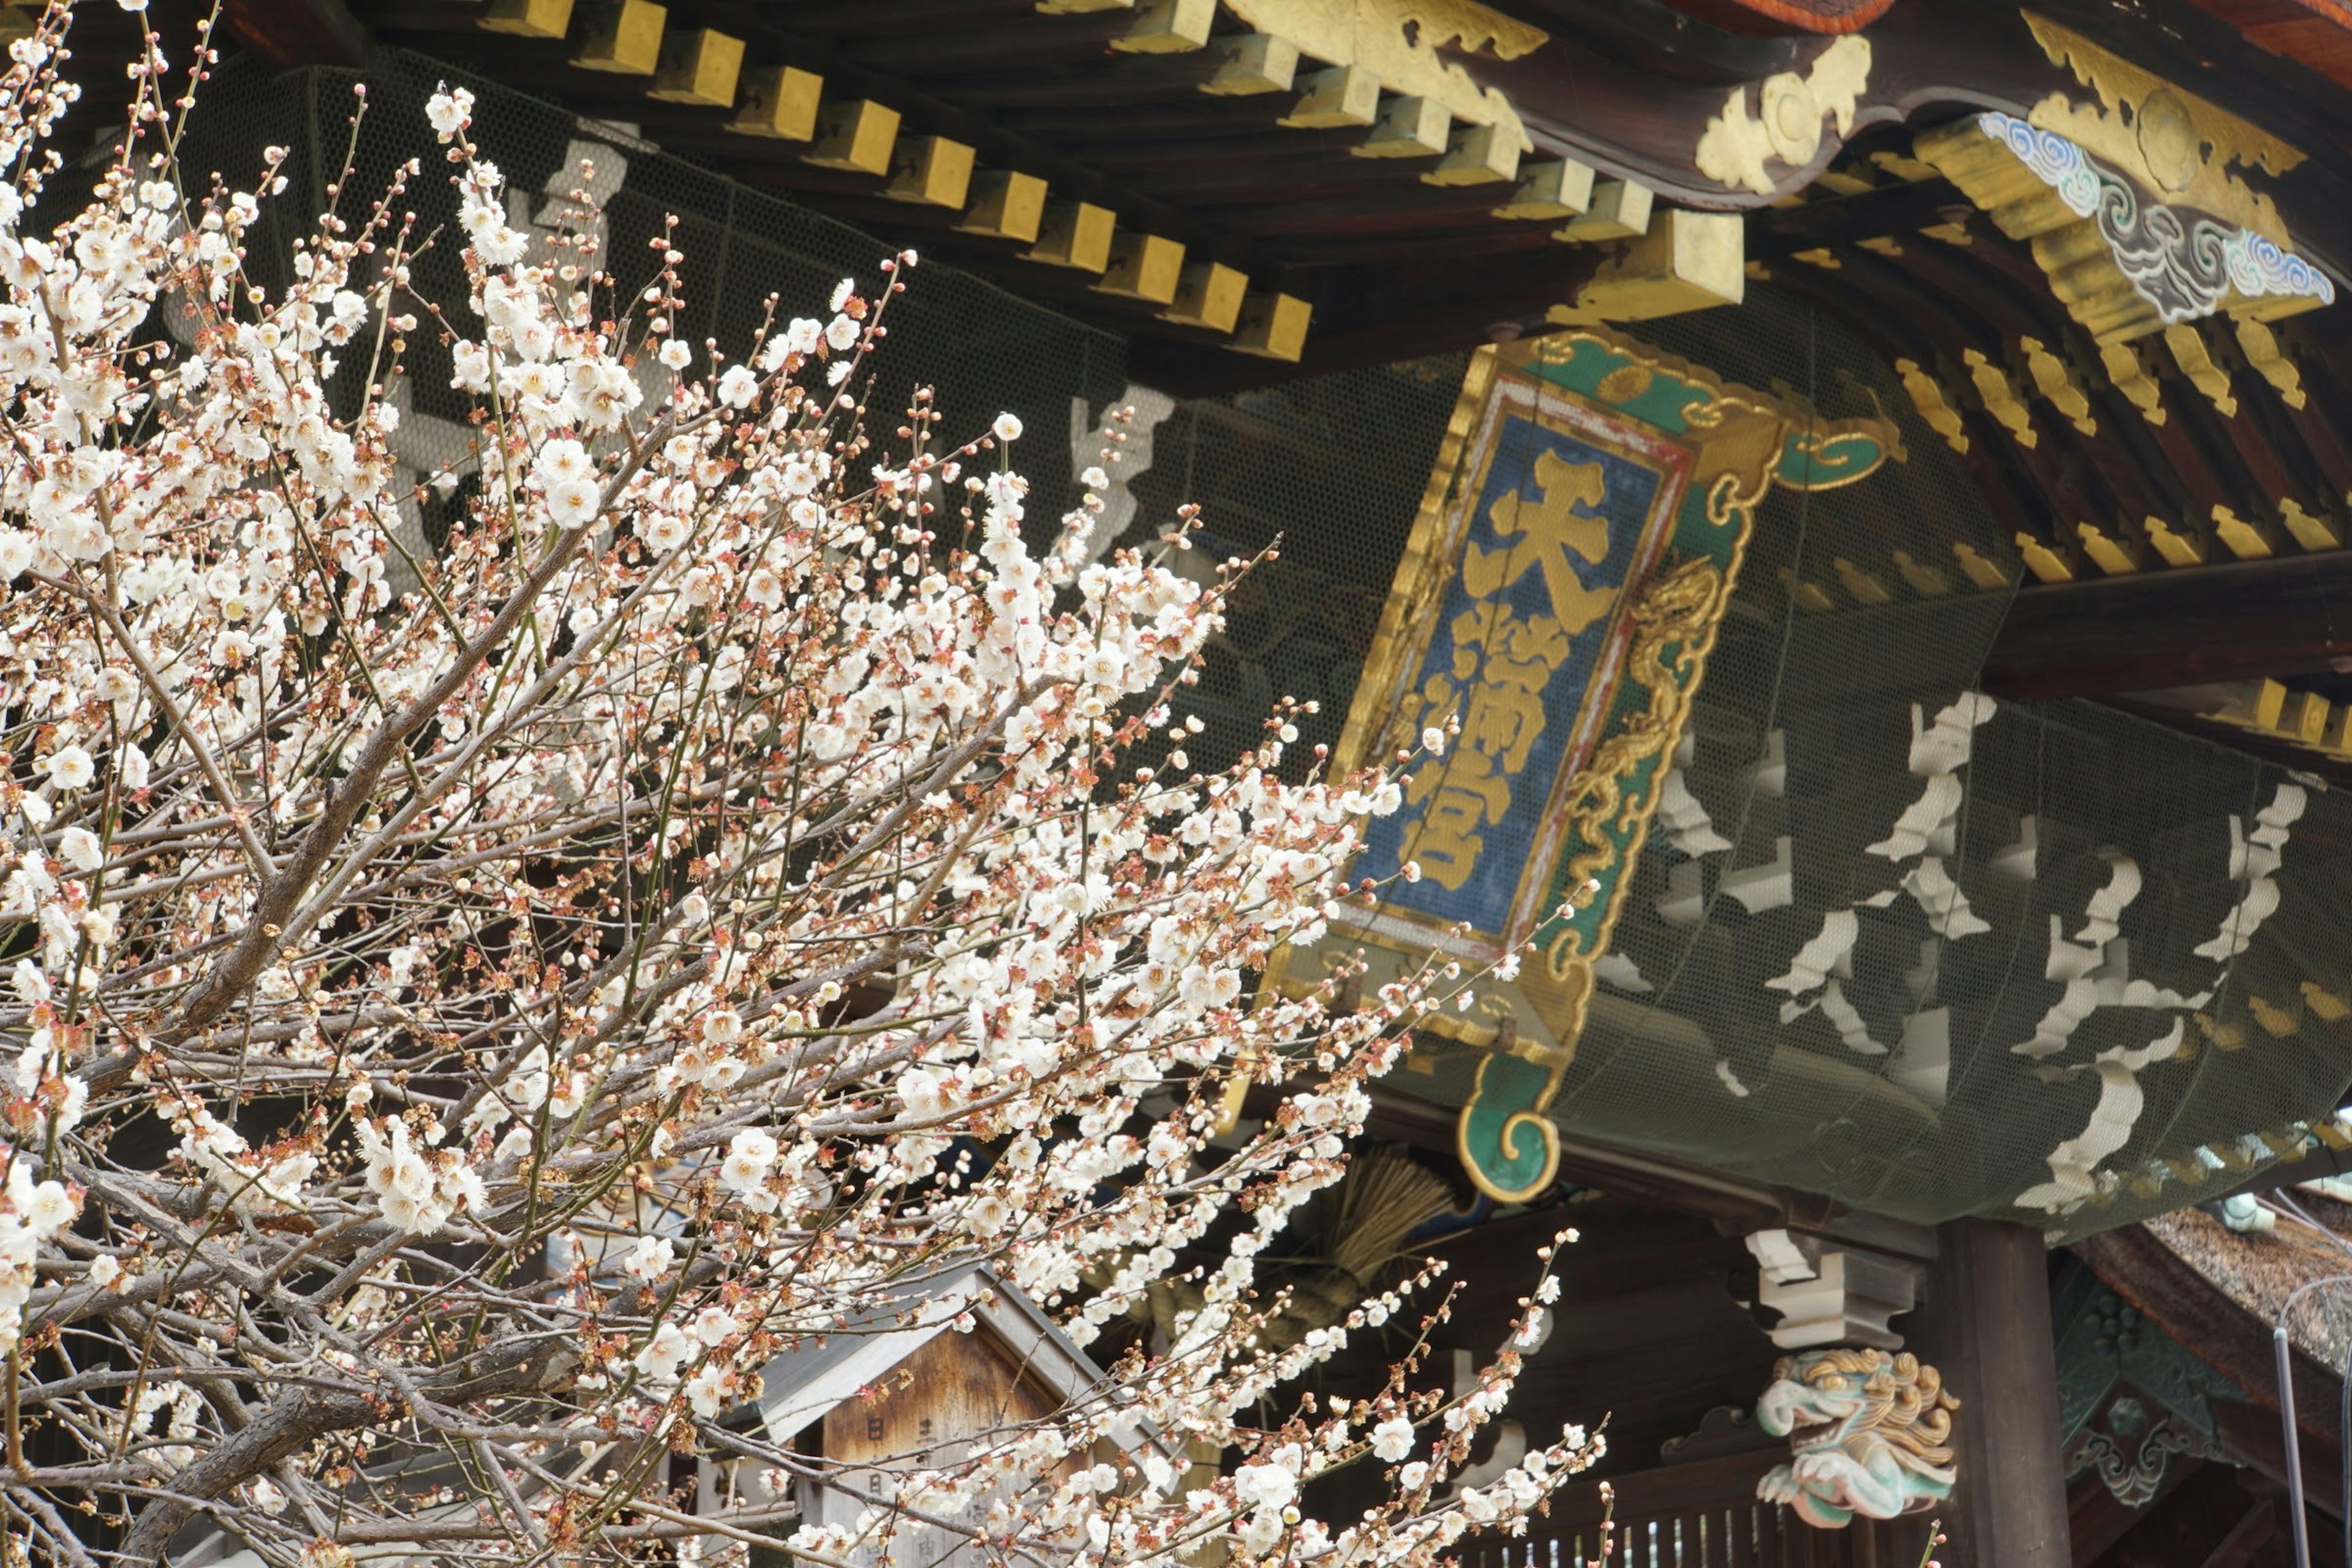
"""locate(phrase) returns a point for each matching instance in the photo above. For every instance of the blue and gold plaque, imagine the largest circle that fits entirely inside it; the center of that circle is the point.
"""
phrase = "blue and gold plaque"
(1559, 595)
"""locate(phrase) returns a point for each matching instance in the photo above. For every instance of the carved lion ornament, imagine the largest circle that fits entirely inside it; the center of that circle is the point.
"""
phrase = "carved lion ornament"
(1869, 1433)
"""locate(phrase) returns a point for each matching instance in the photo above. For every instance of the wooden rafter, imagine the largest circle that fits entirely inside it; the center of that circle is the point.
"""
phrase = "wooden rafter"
(1786, 15)
(2283, 616)
(294, 33)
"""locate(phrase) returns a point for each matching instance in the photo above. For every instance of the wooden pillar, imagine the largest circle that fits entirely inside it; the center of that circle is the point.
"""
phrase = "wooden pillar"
(1985, 1325)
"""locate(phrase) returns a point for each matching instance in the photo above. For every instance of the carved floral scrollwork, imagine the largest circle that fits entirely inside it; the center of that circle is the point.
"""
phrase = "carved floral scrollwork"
(2131, 1455)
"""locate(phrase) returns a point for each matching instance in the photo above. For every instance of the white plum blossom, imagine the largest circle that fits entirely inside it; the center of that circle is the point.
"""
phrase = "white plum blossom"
(750, 1158)
(71, 767)
(1266, 1485)
(738, 386)
(668, 1346)
(651, 1258)
(447, 109)
(80, 848)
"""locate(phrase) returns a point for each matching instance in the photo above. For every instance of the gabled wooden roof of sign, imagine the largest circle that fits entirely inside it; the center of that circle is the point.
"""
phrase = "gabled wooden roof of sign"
(822, 1371)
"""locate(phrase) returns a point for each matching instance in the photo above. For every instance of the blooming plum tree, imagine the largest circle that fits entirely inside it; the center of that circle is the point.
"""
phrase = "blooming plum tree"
(461, 1035)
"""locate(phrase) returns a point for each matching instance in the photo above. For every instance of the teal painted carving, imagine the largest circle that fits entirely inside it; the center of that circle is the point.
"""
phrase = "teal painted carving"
(2131, 1398)
(1824, 460)
(1503, 1133)
(2103, 1346)
(1870, 1436)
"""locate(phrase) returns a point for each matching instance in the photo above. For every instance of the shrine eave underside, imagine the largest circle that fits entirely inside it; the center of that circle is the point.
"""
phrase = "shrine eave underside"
(1248, 193)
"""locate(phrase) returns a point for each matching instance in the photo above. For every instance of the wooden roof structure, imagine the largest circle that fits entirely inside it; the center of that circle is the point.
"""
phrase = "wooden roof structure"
(2032, 212)
(818, 1374)
(1248, 190)
(2174, 1315)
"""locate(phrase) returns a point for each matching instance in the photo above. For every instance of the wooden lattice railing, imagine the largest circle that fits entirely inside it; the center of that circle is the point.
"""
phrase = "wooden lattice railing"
(1699, 1515)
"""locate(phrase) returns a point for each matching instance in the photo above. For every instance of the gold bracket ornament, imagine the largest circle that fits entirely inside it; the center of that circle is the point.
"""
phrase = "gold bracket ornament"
(1985, 574)
(2046, 563)
(2276, 1021)
(2196, 362)
(1863, 586)
(2129, 202)
(2111, 555)
(2000, 399)
(1736, 146)
(1687, 262)
(1924, 580)
(2055, 381)
(2177, 548)
(2260, 347)
(2128, 375)
(2304, 720)
(1398, 46)
(2246, 541)
(1928, 398)
(2164, 136)
(2312, 532)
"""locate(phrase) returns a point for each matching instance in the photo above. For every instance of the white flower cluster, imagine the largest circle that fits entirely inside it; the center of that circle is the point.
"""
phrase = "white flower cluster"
(31, 1213)
(247, 1179)
(417, 1188)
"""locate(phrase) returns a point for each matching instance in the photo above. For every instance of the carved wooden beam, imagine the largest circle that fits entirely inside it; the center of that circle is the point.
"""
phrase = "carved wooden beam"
(2291, 726)
(1578, 97)
(291, 34)
(2205, 43)
(1901, 208)
(2282, 616)
(1733, 1207)
(1373, 317)
(1831, 1295)
(1786, 15)
(1222, 145)
(2089, 221)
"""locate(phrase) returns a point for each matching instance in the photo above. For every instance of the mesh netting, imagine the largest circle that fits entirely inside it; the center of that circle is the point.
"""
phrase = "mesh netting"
(983, 349)
(1328, 472)
(1895, 1082)
(1960, 1053)
(2117, 886)
(2106, 970)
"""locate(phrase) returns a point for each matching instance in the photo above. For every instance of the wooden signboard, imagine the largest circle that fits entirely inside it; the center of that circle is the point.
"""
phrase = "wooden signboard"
(1576, 548)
